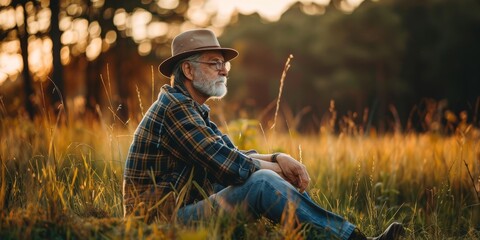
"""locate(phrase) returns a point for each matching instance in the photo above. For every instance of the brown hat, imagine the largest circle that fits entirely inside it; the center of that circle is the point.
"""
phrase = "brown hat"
(191, 42)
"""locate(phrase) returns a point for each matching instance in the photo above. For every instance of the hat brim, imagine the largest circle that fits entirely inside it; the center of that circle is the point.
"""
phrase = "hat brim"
(166, 67)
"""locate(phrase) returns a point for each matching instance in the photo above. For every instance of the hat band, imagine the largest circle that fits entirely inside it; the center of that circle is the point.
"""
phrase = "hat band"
(195, 49)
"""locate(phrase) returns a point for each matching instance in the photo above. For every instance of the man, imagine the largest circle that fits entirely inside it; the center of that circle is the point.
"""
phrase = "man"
(178, 156)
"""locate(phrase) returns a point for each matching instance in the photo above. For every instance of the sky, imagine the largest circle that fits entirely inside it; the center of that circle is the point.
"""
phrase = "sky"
(268, 9)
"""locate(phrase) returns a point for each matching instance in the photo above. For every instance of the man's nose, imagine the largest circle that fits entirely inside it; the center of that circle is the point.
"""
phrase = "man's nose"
(223, 71)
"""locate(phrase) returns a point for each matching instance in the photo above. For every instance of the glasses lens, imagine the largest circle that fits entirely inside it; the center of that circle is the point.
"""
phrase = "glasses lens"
(227, 65)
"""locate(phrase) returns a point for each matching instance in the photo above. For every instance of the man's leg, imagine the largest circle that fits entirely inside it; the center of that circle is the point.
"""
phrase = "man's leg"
(266, 193)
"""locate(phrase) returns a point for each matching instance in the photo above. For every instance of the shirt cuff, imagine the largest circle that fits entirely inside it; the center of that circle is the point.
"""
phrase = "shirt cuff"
(248, 152)
(244, 172)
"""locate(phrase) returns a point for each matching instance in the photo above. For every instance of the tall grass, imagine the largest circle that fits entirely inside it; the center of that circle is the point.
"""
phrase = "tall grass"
(62, 179)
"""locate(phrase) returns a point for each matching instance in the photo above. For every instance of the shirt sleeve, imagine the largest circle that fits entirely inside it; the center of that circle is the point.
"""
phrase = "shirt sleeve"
(229, 142)
(199, 143)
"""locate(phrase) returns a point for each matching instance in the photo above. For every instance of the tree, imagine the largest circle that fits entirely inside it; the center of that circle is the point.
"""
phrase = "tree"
(352, 59)
(57, 73)
(27, 80)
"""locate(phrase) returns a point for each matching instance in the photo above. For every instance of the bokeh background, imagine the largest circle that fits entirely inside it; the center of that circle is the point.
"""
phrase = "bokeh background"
(386, 64)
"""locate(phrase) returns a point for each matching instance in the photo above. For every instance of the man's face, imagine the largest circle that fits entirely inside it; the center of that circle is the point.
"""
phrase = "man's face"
(208, 80)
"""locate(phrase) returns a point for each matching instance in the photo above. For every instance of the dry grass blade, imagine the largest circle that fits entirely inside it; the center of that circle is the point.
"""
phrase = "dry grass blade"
(471, 179)
(280, 90)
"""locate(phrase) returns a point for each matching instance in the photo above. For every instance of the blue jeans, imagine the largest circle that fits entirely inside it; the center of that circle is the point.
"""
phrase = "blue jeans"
(265, 193)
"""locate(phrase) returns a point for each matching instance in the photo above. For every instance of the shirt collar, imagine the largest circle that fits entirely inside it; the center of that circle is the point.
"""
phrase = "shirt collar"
(202, 108)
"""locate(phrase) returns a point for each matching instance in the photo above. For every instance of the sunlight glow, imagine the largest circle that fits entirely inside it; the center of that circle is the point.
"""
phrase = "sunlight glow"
(43, 19)
(7, 18)
(313, 9)
(267, 9)
(74, 9)
(40, 57)
(65, 55)
(157, 29)
(19, 17)
(354, 3)
(94, 49)
(198, 16)
(319, 2)
(80, 28)
(168, 4)
(94, 29)
(11, 62)
(120, 19)
(98, 3)
(68, 37)
(5, 2)
(137, 24)
(110, 37)
(144, 48)
(65, 23)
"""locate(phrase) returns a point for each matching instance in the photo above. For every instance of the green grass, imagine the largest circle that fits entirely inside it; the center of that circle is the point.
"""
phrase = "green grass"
(62, 180)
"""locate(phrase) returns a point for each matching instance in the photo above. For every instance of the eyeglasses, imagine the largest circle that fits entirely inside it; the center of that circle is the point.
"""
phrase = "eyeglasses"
(219, 65)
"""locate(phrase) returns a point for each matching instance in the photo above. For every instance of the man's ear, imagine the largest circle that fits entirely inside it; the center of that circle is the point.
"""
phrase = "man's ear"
(187, 70)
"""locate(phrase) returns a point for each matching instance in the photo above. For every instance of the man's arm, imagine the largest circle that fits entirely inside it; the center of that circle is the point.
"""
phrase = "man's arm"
(197, 143)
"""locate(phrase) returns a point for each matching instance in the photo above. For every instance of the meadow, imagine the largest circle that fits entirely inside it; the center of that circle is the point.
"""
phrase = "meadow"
(61, 178)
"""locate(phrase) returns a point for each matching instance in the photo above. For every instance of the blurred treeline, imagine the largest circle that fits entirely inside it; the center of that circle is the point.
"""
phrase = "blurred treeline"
(390, 64)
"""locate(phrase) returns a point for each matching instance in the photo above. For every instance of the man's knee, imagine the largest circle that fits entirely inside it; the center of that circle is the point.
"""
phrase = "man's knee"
(265, 175)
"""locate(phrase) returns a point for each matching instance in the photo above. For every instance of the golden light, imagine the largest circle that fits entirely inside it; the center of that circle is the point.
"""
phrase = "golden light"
(79, 104)
(348, 5)
(120, 19)
(66, 37)
(198, 16)
(10, 65)
(138, 24)
(168, 4)
(354, 3)
(267, 9)
(157, 29)
(19, 17)
(74, 9)
(94, 49)
(32, 25)
(65, 23)
(5, 2)
(11, 62)
(98, 3)
(80, 27)
(7, 18)
(65, 55)
(111, 37)
(40, 56)
(313, 9)
(94, 29)
(144, 48)
(44, 16)
(319, 2)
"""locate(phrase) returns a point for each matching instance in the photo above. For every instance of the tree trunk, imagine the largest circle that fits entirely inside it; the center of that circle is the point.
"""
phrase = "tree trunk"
(57, 74)
(27, 79)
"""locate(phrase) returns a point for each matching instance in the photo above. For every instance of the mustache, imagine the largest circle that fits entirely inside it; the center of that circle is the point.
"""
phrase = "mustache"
(221, 79)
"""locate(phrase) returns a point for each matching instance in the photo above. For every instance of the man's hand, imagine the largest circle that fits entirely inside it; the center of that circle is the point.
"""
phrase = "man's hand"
(293, 171)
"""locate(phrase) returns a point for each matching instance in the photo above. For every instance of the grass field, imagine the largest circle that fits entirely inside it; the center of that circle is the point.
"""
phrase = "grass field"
(62, 180)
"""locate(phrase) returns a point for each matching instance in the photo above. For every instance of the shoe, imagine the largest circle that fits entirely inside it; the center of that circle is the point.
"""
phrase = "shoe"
(393, 232)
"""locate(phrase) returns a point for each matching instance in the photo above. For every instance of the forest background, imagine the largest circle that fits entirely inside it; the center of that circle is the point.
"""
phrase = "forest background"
(395, 63)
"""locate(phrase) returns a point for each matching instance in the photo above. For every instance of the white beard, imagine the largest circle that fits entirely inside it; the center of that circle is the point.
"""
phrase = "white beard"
(214, 88)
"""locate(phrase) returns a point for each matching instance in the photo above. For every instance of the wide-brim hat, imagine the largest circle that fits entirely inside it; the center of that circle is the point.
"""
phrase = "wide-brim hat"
(191, 42)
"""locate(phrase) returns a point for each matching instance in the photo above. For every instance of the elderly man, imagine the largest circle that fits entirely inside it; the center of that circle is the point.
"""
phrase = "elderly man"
(179, 158)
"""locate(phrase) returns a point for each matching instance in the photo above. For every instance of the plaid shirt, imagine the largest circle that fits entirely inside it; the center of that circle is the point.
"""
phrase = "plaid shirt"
(176, 141)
